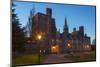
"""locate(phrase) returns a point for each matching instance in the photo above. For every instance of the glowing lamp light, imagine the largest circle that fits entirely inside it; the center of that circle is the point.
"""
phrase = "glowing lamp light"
(68, 45)
(53, 47)
(39, 37)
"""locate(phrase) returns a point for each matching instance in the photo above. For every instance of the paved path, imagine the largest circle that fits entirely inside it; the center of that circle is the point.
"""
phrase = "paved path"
(56, 58)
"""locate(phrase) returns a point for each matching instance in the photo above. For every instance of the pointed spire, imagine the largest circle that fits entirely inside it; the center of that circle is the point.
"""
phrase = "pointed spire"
(66, 22)
(66, 26)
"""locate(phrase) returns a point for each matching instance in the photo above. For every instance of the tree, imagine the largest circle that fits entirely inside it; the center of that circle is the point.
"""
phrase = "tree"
(18, 34)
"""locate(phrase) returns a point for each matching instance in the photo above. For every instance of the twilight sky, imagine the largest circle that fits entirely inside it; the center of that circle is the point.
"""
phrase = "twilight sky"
(76, 15)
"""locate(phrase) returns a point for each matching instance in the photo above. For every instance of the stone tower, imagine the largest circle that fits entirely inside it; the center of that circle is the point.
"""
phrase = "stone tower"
(49, 12)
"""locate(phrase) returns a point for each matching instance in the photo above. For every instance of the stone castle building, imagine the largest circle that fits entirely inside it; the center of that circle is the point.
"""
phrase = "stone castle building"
(52, 41)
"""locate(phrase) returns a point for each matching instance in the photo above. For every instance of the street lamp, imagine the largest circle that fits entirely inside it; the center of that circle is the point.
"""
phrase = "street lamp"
(39, 38)
(69, 46)
(53, 47)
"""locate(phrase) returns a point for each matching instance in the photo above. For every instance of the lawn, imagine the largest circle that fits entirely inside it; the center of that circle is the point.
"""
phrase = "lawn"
(27, 59)
(75, 57)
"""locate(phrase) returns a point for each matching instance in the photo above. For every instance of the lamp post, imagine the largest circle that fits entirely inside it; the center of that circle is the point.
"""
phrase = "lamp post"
(69, 47)
(39, 37)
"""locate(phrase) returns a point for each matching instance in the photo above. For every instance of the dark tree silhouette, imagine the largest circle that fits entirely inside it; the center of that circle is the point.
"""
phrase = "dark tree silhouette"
(18, 35)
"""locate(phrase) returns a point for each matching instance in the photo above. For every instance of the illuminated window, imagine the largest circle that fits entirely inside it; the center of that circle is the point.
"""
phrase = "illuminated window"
(55, 49)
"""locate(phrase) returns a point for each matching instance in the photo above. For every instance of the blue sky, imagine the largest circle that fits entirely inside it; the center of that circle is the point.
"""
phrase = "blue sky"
(76, 15)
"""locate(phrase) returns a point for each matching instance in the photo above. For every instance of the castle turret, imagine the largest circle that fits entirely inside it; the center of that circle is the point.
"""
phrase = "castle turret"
(49, 12)
(81, 30)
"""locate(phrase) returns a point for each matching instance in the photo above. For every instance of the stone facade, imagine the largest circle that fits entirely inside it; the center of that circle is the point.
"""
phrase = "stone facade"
(52, 40)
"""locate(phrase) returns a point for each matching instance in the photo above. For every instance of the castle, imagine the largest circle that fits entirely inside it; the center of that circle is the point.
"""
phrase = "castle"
(52, 41)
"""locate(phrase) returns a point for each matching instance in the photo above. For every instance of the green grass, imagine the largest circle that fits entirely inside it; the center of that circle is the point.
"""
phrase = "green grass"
(27, 59)
(81, 56)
